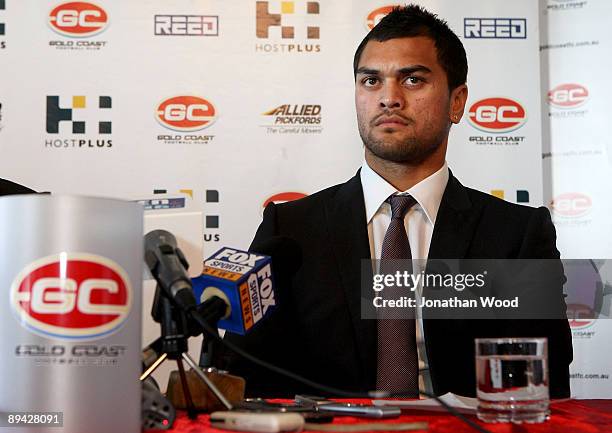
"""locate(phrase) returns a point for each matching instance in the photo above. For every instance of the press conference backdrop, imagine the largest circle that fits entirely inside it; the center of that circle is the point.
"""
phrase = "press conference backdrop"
(235, 104)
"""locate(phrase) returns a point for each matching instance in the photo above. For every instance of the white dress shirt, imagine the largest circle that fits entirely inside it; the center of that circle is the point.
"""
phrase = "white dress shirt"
(419, 221)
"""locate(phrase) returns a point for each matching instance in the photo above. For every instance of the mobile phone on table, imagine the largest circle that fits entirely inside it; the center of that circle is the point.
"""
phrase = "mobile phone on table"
(261, 422)
(349, 409)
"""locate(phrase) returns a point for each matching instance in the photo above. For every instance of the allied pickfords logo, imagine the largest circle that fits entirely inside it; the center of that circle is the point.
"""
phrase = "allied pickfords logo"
(78, 21)
(72, 296)
(79, 122)
(185, 115)
(378, 14)
(293, 119)
(289, 26)
(568, 100)
(497, 117)
(571, 205)
(495, 28)
(186, 25)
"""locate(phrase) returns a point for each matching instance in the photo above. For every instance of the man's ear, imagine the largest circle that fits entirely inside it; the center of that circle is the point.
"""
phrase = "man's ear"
(458, 98)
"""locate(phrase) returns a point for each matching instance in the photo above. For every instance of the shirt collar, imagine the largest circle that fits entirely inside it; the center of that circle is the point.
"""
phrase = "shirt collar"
(428, 192)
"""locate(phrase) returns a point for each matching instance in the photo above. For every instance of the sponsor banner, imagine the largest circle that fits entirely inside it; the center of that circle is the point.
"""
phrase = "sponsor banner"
(566, 5)
(283, 197)
(212, 219)
(287, 27)
(2, 24)
(77, 22)
(293, 119)
(520, 195)
(185, 116)
(186, 25)
(567, 101)
(496, 117)
(75, 122)
(495, 28)
(378, 14)
(571, 209)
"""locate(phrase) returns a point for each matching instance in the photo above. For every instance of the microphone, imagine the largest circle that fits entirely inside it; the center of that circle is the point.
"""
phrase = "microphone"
(169, 268)
(245, 281)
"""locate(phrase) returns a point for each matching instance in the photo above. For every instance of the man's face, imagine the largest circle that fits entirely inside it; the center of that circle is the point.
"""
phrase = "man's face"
(402, 99)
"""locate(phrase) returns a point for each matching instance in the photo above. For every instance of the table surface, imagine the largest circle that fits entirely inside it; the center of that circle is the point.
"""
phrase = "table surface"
(571, 416)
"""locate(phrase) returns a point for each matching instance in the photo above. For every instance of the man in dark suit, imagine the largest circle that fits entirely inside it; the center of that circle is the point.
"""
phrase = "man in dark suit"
(410, 75)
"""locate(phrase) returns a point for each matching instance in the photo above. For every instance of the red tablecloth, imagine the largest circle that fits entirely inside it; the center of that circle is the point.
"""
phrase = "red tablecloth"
(573, 416)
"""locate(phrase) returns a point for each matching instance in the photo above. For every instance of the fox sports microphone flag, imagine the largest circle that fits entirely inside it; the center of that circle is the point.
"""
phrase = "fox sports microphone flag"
(244, 280)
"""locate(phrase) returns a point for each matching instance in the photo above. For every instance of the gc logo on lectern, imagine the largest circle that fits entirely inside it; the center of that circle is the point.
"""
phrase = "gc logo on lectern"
(74, 296)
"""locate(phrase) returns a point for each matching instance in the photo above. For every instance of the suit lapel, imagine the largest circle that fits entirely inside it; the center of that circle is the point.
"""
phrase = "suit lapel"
(346, 219)
(455, 223)
(451, 239)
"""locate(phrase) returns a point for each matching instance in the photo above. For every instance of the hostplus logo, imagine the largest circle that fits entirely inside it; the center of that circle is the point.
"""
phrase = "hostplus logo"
(2, 24)
(568, 100)
(186, 25)
(496, 117)
(293, 119)
(290, 26)
(78, 124)
(76, 22)
(522, 195)
(212, 223)
(495, 28)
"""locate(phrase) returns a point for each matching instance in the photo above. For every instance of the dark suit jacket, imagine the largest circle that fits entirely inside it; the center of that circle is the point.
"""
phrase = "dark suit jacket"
(7, 187)
(317, 330)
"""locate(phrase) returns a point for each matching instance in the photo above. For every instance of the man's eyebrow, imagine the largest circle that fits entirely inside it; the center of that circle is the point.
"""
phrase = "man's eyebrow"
(402, 71)
(416, 68)
(367, 71)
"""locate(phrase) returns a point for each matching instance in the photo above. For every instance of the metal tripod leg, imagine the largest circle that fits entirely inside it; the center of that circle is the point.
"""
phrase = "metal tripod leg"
(207, 381)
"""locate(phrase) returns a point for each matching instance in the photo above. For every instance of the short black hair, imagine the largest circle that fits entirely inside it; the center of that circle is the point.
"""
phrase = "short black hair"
(413, 20)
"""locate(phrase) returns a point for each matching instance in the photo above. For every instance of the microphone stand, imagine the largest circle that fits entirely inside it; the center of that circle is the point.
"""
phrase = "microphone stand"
(173, 345)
